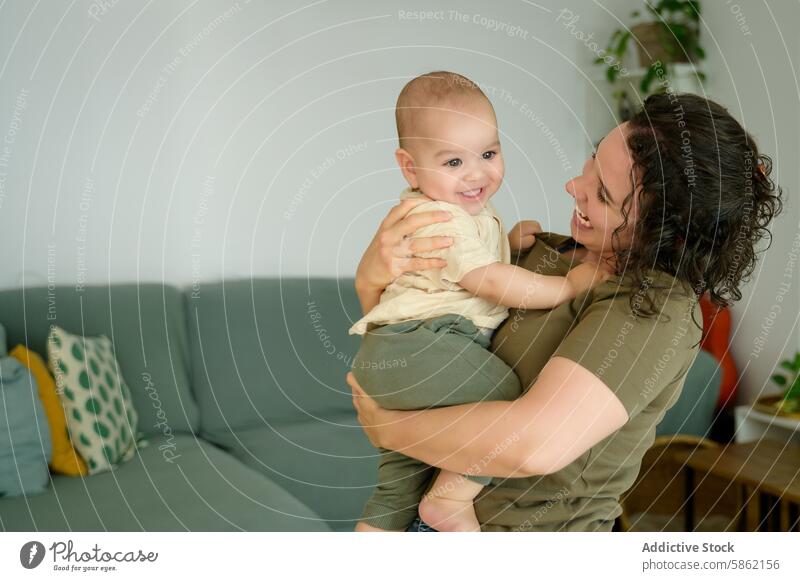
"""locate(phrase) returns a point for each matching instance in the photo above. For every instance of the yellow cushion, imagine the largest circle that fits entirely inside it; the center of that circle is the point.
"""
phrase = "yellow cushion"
(65, 459)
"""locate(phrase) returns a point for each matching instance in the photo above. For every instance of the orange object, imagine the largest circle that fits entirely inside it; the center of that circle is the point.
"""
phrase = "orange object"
(65, 459)
(716, 340)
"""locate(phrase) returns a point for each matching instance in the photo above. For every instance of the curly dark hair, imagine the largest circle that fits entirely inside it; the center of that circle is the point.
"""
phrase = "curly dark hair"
(705, 199)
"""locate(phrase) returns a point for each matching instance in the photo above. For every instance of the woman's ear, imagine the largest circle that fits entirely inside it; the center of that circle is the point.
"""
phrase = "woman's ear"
(406, 163)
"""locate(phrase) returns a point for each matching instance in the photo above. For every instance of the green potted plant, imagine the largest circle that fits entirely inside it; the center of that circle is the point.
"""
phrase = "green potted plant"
(789, 381)
(671, 35)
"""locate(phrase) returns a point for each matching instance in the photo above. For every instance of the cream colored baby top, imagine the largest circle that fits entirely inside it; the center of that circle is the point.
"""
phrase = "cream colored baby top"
(478, 240)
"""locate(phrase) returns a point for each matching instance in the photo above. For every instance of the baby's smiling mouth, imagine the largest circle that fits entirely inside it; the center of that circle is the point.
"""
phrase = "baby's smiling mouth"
(472, 193)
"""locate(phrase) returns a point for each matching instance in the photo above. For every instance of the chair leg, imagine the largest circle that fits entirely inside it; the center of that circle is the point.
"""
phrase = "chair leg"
(783, 509)
(689, 509)
(752, 510)
(773, 514)
(742, 494)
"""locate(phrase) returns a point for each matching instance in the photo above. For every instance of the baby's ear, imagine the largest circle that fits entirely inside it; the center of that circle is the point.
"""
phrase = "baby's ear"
(406, 163)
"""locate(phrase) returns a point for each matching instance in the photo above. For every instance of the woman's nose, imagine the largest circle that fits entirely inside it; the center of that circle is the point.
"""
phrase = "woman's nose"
(571, 187)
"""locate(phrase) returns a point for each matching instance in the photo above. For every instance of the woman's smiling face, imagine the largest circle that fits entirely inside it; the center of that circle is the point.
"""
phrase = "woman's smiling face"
(605, 182)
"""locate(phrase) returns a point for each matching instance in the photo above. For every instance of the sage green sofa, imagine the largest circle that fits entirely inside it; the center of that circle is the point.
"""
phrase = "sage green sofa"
(239, 385)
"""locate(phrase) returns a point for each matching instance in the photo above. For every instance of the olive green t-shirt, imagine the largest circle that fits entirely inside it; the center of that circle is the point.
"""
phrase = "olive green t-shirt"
(642, 360)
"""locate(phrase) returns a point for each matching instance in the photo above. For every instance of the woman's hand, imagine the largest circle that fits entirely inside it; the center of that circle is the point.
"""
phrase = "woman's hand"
(391, 252)
(372, 417)
(523, 235)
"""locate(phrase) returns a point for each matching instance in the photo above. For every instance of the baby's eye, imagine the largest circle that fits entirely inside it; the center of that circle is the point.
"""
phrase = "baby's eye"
(489, 154)
(453, 162)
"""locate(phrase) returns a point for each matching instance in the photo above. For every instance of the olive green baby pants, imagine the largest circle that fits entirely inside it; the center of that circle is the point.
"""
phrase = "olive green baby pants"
(419, 364)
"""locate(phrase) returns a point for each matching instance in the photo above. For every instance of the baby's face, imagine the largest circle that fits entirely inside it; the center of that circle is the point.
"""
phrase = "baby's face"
(457, 157)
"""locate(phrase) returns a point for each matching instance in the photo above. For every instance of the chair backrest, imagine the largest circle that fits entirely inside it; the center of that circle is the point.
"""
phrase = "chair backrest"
(660, 485)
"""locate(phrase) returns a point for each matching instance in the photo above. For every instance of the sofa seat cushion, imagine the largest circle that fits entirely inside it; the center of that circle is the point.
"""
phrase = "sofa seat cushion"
(329, 464)
(172, 485)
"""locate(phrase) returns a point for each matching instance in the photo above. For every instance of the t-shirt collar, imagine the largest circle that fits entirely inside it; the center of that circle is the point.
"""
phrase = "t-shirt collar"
(568, 244)
(409, 193)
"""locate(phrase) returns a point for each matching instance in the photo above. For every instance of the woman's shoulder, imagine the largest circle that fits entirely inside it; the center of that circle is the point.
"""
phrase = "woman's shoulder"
(659, 298)
(630, 343)
(651, 283)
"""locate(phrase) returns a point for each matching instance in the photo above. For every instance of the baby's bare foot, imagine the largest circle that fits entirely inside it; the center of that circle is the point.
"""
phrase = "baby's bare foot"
(448, 515)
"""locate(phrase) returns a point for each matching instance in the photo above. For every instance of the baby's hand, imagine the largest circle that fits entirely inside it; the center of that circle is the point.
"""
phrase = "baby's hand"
(586, 275)
(523, 235)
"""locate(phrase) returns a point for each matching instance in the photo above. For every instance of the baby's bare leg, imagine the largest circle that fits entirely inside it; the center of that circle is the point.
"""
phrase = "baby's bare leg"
(447, 506)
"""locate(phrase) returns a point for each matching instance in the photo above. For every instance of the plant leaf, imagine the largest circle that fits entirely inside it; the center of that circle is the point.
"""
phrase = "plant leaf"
(622, 44)
(792, 406)
(647, 80)
(794, 391)
(779, 379)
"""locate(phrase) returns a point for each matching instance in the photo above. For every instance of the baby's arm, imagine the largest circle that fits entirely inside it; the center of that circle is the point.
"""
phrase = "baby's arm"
(513, 286)
(474, 268)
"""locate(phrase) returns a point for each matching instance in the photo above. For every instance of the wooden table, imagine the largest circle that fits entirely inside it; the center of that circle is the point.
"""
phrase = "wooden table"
(764, 474)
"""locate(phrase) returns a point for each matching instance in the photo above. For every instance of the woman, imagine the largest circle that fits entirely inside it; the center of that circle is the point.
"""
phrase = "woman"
(673, 203)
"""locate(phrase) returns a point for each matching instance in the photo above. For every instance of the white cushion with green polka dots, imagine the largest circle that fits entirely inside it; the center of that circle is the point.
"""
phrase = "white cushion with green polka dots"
(101, 419)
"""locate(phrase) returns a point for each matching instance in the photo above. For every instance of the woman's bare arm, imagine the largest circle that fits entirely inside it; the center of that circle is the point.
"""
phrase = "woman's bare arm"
(566, 412)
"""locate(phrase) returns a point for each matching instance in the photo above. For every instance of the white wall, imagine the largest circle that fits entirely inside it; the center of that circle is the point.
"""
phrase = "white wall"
(180, 142)
(754, 53)
(186, 141)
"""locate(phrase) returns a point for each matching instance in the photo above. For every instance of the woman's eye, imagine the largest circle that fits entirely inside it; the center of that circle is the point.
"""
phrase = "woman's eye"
(453, 162)
(600, 194)
(489, 154)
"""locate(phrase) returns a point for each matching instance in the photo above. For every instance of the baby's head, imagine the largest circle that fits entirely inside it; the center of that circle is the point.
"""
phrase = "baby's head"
(449, 145)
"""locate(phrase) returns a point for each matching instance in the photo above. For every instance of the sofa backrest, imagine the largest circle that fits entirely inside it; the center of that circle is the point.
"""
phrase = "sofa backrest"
(145, 322)
(693, 412)
(271, 349)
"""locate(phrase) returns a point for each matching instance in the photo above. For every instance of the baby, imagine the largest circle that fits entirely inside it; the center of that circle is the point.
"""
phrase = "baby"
(426, 343)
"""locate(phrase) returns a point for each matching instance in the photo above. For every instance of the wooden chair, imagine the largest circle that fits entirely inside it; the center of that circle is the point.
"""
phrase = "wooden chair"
(656, 499)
